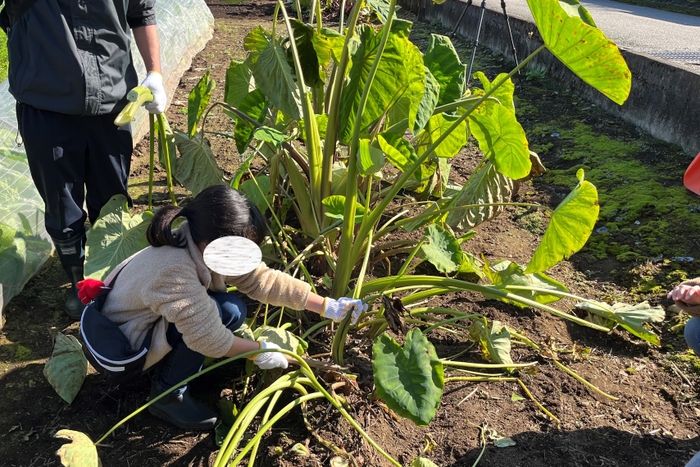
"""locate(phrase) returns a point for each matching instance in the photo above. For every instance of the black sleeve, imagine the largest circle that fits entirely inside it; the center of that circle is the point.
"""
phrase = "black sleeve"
(141, 13)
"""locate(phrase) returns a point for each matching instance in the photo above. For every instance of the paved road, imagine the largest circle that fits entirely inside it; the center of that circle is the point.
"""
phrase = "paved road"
(671, 36)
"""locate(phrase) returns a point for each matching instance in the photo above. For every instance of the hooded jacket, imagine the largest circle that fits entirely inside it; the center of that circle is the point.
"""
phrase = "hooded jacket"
(164, 285)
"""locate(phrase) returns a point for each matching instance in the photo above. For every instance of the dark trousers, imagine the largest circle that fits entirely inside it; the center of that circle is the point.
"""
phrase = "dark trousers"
(69, 154)
(182, 362)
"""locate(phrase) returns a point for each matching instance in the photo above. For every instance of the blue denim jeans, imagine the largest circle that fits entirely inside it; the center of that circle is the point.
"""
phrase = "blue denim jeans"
(692, 335)
(182, 362)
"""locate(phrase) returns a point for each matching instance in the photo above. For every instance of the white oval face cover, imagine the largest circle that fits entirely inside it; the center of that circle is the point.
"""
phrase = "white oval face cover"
(232, 256)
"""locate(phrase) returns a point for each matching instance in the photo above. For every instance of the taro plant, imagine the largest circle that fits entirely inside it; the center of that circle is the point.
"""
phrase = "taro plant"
(351, 132)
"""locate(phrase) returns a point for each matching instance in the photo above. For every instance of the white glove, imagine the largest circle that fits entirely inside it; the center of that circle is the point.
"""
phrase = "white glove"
(270, 360)
(154, 82)
(338, 309)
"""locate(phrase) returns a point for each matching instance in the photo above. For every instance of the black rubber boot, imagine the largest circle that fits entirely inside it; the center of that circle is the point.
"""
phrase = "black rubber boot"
(183, 410)
(71, 253)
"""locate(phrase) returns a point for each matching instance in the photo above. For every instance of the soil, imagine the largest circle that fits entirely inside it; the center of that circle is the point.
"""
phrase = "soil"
(654, 422)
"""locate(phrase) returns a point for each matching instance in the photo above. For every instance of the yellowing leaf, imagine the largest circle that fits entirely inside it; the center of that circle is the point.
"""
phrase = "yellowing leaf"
(80, 452)
(67, 367)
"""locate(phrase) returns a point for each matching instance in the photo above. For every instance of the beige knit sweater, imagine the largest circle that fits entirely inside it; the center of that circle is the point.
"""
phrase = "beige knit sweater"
(166, 285)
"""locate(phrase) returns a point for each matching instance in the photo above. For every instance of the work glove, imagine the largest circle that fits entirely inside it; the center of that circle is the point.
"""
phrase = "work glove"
(154, 82)
(338, 309)
(88, 289)
(270, 360)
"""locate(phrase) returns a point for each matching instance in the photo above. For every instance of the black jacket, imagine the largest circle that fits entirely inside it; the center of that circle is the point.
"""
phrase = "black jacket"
(73, 56)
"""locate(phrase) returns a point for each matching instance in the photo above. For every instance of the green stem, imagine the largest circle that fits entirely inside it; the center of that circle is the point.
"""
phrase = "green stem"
(583, 381)
(152, 157)
(369, 220)
(166, 153)
(349, 251)
(486, 365)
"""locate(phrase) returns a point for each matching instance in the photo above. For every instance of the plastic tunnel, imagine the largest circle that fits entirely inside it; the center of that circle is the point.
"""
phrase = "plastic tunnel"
(184, 27)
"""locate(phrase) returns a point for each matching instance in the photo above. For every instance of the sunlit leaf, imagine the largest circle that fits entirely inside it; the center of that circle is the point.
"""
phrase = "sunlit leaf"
(428, 102)
(569, 228)
(494, 342)
(197, 168)
(409, 379)
(422, 461)
(67, 367)
(273, 74)
(80, 452)
(444, 64)
(485, 186)
(272, 136)
(437, 126)
(504, 93)
(335, 208)
(442, 250)
(114, 237)
(285, 339)
(501, 138)
(239, 82)
(198, 101)
(630, 317)
(505, 272)
(583, 48)
(574, 8)
(370, 158)
(390, 80)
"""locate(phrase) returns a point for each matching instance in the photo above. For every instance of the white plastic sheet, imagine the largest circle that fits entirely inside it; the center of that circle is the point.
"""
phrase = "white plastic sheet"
(184, 27)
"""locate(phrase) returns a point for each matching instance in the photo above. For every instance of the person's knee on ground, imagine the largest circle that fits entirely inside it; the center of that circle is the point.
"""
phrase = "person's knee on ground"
(232, 309)
(692, 334)
(71, 254)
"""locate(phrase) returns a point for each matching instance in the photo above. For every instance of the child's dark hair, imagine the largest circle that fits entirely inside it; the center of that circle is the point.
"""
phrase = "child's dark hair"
(217, 211)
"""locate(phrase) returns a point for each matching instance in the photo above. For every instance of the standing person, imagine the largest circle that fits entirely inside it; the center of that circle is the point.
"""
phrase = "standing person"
(166, 295)
(70, 68)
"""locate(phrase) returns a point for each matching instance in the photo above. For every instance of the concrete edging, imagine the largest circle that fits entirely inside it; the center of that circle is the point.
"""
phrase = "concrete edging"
(664, 100)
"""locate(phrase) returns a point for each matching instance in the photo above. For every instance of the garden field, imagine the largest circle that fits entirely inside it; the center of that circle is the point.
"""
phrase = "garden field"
(590, 398)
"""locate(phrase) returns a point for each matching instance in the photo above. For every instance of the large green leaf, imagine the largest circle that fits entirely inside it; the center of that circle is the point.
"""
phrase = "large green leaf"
(630, 317)
(197, 102)
(436, 127)
(390, 80)
(410, 379)
(505, 272)
(67, 367)
(335, 208)
(485, 186)
(444, 251)
(115, 236)
(308, 55)
(196, 168)
(494, 342)
(571, 224)
(402, 155)
(239, 82)
(504, 93)
(502, 139)
(370, 159)
(285, 339)
(444, 64)
(80, 452)
(255, 106)
(258, 191)
(428, 102)
(273, 74)
(583, 48)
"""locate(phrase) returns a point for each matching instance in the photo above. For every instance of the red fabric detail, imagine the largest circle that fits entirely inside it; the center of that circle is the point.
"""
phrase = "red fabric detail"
(88, 289)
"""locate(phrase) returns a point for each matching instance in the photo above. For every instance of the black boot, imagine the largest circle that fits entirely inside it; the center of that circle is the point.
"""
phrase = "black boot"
(182, 410)
(72, 255)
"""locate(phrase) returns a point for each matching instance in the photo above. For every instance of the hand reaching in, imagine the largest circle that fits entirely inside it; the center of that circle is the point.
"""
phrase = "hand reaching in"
(336, 310)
